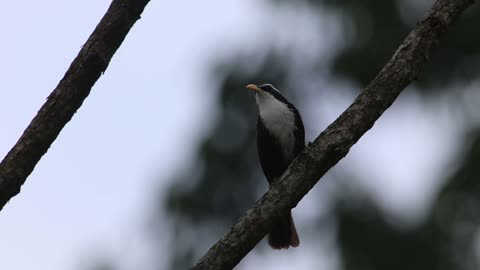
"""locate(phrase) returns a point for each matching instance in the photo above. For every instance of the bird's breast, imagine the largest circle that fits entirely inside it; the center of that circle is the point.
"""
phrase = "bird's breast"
(281, 124)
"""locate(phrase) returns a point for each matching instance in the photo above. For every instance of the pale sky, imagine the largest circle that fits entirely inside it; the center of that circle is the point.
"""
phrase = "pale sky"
(143, 118)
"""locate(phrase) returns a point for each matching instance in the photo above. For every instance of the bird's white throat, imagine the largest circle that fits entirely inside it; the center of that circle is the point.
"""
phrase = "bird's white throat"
(279, 120)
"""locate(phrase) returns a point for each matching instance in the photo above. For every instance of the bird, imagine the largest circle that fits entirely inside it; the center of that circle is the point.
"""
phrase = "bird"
(280, 138)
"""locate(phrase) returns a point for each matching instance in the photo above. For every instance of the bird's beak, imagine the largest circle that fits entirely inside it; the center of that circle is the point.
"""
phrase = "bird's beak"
(253, 87)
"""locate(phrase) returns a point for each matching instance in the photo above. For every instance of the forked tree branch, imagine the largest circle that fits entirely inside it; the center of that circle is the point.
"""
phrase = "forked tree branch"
(335, 141)
(68, 96)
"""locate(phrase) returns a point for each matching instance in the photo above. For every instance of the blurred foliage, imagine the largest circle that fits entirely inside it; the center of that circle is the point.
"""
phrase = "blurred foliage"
(225, 179)
(373, 29)
(445, 240)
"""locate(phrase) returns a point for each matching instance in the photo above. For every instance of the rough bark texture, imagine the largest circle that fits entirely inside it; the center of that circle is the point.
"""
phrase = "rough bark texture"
(68, 96)
(335, 142)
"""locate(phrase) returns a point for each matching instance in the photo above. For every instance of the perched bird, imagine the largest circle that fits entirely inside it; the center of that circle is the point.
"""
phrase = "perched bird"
(280, 137)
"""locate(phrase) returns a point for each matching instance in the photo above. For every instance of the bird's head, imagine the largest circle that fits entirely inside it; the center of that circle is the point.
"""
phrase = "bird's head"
(269, 100)
(266, 93)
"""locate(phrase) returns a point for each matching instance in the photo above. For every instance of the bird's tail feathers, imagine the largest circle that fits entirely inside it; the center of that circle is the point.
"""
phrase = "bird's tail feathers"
(284, 234)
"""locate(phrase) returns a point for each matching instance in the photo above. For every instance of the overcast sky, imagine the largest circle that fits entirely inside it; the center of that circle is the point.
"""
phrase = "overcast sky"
(84, 195)
(141, 120)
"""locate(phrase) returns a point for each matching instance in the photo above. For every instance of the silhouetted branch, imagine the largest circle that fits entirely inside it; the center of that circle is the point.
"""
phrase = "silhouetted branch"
(68, 96)
(335, 142)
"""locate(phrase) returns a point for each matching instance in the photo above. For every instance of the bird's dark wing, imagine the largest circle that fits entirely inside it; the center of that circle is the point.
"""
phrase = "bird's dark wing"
(269, 153)
(299, 133)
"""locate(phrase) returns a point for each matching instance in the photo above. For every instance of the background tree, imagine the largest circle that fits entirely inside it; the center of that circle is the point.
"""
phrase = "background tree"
(225, 179)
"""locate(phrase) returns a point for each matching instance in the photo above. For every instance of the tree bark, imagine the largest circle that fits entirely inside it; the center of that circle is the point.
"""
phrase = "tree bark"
(335, 141)
(68, 96)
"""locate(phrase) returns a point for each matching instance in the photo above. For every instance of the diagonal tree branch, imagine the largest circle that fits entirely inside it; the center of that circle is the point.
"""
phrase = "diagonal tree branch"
(68, 96)
(335, 141)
